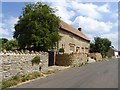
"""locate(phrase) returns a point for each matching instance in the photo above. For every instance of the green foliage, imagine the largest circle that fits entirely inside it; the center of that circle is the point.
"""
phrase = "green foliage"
(8, 44)
(18, 79)
(8, 84)
(36, 75)
(100, 45)
(61, 50)
(11, 44)
(25, 78)
(3, 41)
(36, 60)
(37, 27)
(15, 78)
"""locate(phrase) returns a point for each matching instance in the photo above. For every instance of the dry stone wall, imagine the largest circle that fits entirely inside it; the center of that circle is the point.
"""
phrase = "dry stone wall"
(96, 56)
(70, 59)
(20, 64)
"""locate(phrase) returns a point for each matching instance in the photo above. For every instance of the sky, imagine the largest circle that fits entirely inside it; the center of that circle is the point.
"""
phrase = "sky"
(95, 18)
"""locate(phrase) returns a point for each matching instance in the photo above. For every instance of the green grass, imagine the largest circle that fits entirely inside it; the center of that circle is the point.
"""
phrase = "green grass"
(52, 71)
(9, 83)
(115, 58)
(19, 79)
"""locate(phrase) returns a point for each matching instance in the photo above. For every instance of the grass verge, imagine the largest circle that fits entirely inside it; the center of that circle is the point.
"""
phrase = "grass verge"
(19, 79)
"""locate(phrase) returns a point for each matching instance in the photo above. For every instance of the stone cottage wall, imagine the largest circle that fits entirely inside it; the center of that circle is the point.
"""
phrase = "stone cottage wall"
(69, 38)
(70, 59)
(20, 64)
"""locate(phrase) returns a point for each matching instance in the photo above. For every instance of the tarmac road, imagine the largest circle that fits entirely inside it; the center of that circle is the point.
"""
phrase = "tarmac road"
(96, 75)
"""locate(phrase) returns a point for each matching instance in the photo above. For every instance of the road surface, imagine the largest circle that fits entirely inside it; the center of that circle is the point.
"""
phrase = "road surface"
(96, 75)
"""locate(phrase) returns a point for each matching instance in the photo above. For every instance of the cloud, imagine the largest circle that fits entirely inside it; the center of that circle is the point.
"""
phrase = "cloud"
(68, 10)
(90, 10)
(2, 30)
(104, 8)
(10, 22)
(7, 27)
(1, 15)
(65, 16)
(87, 9)
(92, 26)
(63, 11)
(114, 15)
(112, 36)
(115, 24)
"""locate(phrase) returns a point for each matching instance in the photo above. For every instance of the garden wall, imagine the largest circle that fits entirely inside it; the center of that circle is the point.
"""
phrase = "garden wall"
(20, 64)
(70, 59)
(96, 56)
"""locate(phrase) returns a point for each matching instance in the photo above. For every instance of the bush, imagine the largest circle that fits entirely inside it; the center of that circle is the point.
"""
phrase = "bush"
(8, 83)
(16, 77)
(25, 78)
(61, 50)
(36, 60)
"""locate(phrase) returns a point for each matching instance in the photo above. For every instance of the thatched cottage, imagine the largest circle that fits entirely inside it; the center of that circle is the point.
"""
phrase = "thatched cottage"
(73, 40)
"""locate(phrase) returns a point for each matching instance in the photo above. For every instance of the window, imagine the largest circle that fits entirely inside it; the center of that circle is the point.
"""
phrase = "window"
(83, 49)
(72, 47)
(63, 45)
(86, 49)
(77, 49)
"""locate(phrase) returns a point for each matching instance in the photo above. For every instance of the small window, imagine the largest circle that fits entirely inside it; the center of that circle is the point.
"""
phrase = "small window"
(72, 48)
(77, 49)
(82, 49)
(63, 45)
(86, 49)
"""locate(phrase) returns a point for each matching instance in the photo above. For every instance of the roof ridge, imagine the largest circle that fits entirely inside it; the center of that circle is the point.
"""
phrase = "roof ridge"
(71, 29)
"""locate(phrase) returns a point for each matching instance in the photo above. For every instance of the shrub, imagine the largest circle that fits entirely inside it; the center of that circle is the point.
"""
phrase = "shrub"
(25, 78)
(61, 50)
(36, 60)
(16, 77)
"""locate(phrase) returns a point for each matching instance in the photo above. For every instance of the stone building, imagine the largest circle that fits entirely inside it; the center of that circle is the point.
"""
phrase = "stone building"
(113, 53)
(73, 40)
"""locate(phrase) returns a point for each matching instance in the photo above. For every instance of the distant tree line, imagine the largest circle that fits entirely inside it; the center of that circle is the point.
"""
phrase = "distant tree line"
(8, 44)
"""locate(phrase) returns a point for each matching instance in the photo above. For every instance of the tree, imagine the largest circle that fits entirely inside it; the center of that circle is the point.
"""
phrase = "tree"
(100, 45)
(11, 44)
(8, 44)
(37, 27)
(3, 42)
